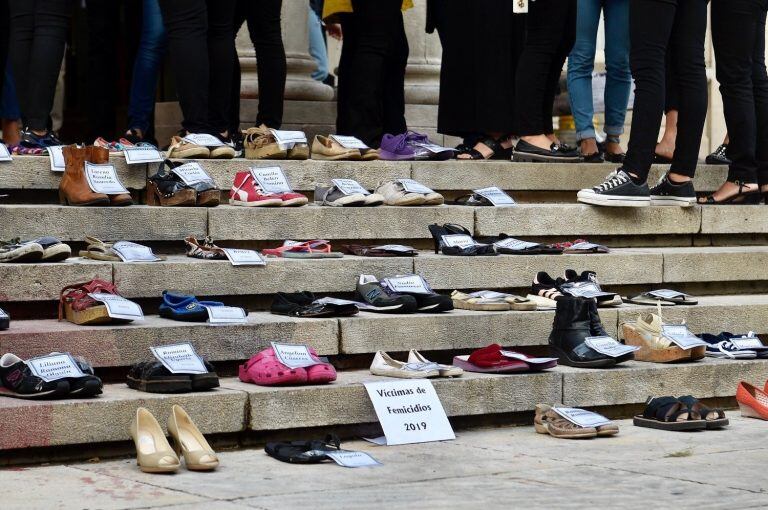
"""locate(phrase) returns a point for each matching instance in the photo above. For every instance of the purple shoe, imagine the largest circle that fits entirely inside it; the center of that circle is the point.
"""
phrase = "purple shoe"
(396, 148)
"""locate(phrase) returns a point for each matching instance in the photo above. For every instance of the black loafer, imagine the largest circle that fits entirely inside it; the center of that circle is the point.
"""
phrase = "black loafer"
(526, 152)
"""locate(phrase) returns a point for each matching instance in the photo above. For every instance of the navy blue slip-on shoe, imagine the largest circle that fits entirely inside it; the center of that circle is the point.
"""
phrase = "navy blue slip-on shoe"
(181, 307)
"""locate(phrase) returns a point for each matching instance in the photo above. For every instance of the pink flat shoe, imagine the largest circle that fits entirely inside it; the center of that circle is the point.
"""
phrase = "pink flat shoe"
(264, 369)
(322, 373)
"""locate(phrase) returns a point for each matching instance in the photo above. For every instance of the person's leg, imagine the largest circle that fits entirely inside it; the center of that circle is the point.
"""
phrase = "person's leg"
(394, 80)
(317, 48)
(267, 39)
(102, 68)
(565, 25)
(146, 68)
(5, 28)
(649, 31)
(760, 87)
(581, 64)
(346, 60)
(665, 149)
(234, 109)
(221, 56)
(618, 83)
(687, 47)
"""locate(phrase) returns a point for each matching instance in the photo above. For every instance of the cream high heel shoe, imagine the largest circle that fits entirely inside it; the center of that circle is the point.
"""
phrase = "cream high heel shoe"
(153, 453)
(189, 441)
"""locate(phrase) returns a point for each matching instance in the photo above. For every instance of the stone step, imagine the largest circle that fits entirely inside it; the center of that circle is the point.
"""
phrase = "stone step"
(460, 330)
(33, 172)
(237, 406)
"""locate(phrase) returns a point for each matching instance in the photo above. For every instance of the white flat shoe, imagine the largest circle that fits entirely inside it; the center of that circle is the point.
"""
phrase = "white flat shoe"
(385, 366)
(415, 356)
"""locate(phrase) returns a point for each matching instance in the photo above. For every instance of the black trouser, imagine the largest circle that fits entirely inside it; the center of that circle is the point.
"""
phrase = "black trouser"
(371, 95)
(103, 15)
(263, 17)
(655, 27)
(4, 29)
(201, 42)
(549, 38)
(738, 35)
(38, 35)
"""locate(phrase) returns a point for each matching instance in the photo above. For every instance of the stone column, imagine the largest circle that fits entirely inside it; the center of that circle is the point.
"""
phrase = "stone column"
(422, 77)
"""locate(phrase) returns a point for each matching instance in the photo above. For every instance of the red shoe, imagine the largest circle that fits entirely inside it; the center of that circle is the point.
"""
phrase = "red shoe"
(321, 373)
(293, 199)
(490, 361)
(247, 192)
(265, 369)
(753, 402)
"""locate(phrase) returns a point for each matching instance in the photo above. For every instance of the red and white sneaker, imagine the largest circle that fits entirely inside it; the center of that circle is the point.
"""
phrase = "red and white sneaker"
(293, 199)
(247, 192)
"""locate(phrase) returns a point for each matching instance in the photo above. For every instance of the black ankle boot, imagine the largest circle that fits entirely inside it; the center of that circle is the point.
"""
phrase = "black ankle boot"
(574, 322)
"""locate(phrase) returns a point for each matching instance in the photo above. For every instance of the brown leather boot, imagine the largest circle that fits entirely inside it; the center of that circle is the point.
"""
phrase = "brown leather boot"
(73, 187)
(100, 156)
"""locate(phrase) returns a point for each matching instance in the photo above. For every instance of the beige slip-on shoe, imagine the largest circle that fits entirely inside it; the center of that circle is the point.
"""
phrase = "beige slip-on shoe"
(385, 366)
(325, 148)
(416, 357)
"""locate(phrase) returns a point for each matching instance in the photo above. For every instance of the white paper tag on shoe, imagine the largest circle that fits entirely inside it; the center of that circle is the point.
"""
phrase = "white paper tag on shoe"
(271, 179)
(203, 139)
(511, 243)
(192, 173)
(396, 248)
(411, 186)
(53, 367)
(4, 154)
(609, 347)
(349, 187)
(4, 314)
(349, 142)
(667, 293)
(488, 294)
(410, 283)
(238, 257)
(585, 246)
(133, 252)
(119, 308)
(103, 179)
(141, 155)
(750, 341)
(56, 156)
(458, 240)
(523, 357)
(433, 147)
(681, 336)
(350, 459)
(288, 139)
(581, 417)
(496, 196)
(226, 315)
(294, 355)
(180, 359)
(587, 290)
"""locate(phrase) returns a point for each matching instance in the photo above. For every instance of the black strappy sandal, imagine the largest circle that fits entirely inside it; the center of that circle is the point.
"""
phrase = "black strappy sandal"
(452, 229)
(610, 156)
(714, 418)
(668, 413)
(497, 151)
(741, 198)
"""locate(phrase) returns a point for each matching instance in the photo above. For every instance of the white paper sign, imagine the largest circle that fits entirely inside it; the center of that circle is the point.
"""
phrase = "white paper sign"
(54, 367)
(666, 293)
(133, 252)
(520, 7)
(192, 173)
(496, 196)
(238, 257)
(349, 187)
(609, 347)
(411, 186)
(349, 142)
(139, 155)
(271, 179)
(410, 283)
(288, 139)
(433, 147)
(294, 355)
(740, 342)
(57, 158)
(458, 240)
(103, 179)
(203, 139)
(409, 411)
(396, 247)
(226, 315)
(4, 154)
(523, 357)
(350, 459)
(585, 246)
(587, 290)
(119, 308)
(510, 243)
(337, 301)
(489, 294)
(581, 417)
(180, 359)
(681, 336)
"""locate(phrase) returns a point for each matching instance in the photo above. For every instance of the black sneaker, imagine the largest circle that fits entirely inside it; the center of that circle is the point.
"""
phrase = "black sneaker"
(667, 192)
(18, 381)
(545, 286)
(719, 156)
(32, 141)
(369, 288)
(618, 190)
(88, 386)
(527, 152)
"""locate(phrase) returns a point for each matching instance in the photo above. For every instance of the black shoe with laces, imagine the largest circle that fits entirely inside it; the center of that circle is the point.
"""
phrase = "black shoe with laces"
(32, 141)
(667, 192)
(527, 152)
(618, 190)
(719, 156)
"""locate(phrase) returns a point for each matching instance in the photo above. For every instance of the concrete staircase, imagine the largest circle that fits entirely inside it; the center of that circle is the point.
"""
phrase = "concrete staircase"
(716, 253)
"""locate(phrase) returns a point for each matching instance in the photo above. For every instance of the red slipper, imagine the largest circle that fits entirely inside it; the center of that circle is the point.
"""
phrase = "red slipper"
(489, 360)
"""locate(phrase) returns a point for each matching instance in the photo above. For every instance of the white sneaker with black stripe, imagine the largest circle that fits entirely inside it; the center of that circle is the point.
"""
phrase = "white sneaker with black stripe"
(618, 190)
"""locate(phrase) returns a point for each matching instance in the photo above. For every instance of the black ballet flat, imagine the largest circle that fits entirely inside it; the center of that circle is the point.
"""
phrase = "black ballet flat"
(741, 198)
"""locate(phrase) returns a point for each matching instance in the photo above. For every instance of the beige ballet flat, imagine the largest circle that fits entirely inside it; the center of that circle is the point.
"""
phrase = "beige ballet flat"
(189, 441)
(153, 453)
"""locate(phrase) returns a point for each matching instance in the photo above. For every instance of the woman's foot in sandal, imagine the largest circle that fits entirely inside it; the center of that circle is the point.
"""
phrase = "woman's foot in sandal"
(734, 193)
(612, 151)
(590, 151)
(488, 148)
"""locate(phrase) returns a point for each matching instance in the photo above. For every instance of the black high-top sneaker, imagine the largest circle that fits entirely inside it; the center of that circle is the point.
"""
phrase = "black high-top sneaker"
(571, 327)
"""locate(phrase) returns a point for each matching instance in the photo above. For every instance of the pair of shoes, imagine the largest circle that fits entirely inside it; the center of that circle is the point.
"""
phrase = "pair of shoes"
(205, 250)
(167, 189)
(332, 195)
(572, 284)
(304, 304)
(181, 307)
(184, 146)
(396, 192)
(385, 250)
(314, 249)
(453, 239)
(647, 333)
(260, 143)
(412, 146)
(18, 381)
(497, 151)
(679, 414)
(74, 188)
(753, 402)
(580, 246)
(729, 346)
(417, 367)
(490, 301)
(265, 369)
(303, 452)
(742, 197)
(619, 190)
(662, 297)
(547, 421)
(79, 308)
(42, 249)
(506, 245)
(327, 148)
(388, 297)
(30, 140)
(155, 455)
(247, 192)
(493, 359)
(556, 153)
(153, 377)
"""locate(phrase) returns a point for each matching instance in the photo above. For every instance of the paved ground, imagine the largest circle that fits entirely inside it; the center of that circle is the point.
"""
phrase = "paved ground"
(488, 468)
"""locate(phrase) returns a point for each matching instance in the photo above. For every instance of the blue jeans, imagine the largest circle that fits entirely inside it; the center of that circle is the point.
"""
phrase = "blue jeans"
(317, 48)
(146, 68)
(9, 105)
(581, 64)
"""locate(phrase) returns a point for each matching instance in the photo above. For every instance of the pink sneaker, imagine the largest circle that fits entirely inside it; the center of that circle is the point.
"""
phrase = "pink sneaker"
(264, 369)
(247, 192)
